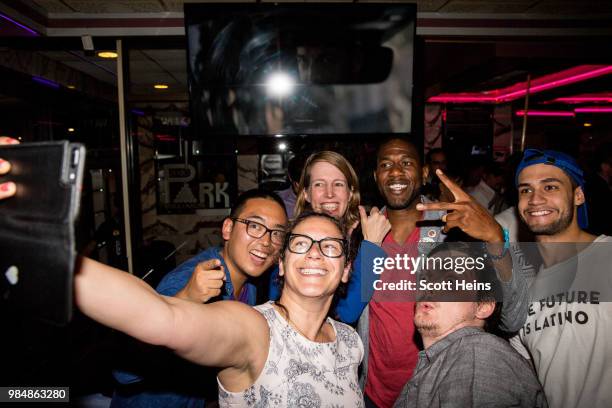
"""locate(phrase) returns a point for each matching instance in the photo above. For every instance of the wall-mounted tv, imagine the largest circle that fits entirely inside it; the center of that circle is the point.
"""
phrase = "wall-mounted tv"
(265, 69)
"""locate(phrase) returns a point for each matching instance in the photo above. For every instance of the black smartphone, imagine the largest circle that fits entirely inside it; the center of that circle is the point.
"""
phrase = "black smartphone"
(37, 228)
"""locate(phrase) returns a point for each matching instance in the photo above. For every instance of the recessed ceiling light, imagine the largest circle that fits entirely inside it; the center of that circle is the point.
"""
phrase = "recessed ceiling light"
(160, 86)
(107, 54)
(587, 124)
(71, 130)
(71, 87)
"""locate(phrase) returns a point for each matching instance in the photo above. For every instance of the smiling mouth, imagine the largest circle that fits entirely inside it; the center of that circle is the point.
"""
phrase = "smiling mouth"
(259, 254)
(539, 213)
(397, 187)
(330, 207)
(312, 271)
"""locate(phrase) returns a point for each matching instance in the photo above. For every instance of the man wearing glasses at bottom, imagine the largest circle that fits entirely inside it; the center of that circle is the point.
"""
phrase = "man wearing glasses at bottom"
(253, 235)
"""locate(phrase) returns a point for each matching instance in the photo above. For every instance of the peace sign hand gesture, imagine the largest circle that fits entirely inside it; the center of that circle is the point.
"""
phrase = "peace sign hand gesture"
(465, 213)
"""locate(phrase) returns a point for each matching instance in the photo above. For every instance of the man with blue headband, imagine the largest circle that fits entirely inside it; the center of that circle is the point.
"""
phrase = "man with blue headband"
(569, 321)
(565, 313)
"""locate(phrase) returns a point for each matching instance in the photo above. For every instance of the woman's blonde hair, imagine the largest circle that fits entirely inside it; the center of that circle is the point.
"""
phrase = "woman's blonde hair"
(337, 160)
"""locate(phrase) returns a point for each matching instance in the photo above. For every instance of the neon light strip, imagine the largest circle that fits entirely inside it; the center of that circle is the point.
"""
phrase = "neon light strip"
(582, 99)
(545, 113)
(555, 80)
(28, 29)
(46, 82)
(561, 82)
(596, 109)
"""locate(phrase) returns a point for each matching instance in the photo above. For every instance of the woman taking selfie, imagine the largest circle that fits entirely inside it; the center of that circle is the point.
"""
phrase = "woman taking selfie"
(284, 353)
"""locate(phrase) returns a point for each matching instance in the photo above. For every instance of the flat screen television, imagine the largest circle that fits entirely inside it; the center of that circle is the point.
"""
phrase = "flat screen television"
(265, 69)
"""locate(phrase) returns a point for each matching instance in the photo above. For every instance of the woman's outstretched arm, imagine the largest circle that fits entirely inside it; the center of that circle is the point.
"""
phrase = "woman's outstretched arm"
(224, 334)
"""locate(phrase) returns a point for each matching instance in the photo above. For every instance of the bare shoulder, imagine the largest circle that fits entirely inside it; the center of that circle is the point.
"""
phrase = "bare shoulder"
(238, 312)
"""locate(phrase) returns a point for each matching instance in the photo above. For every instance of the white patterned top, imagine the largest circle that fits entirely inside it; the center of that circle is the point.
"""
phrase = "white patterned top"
(302, 373)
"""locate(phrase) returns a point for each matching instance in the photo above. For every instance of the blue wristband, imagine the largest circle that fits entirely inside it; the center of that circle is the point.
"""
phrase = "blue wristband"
(506, 246)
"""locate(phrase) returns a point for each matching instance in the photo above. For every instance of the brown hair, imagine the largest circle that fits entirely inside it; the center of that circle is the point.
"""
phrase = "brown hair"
(337, 160)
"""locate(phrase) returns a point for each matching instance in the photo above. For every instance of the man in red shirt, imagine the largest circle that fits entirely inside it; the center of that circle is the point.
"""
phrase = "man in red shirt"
(387, 326)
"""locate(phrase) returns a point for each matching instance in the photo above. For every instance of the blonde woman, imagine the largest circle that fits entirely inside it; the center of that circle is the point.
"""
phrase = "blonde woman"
(329, 185)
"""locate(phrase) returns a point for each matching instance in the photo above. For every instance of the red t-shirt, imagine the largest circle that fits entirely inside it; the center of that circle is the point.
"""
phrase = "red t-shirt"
(393, 353)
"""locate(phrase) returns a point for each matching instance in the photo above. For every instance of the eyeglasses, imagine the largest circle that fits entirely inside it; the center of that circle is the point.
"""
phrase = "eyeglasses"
(330, 247)
(258, 230)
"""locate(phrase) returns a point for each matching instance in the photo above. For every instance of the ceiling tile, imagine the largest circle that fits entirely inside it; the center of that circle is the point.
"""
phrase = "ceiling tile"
(116, 6)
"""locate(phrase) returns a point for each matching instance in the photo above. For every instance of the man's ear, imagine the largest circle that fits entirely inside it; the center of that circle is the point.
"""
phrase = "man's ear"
(226, 228)
(579, 198)
(374, 174)
(484, 310)
(425, 174)
(346, 273)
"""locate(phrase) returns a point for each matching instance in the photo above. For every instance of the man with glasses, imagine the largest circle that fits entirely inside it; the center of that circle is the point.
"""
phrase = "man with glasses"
(253, 235)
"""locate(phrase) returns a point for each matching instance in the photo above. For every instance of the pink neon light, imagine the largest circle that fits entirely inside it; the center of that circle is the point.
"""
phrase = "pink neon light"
(597, 109)
(545, 113)
(583, 98)
(557, 79)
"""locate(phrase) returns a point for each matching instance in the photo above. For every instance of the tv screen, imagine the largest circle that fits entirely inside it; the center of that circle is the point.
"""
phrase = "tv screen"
(264, 69)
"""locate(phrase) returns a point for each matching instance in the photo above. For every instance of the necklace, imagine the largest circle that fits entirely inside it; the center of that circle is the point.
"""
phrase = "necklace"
(285, 314)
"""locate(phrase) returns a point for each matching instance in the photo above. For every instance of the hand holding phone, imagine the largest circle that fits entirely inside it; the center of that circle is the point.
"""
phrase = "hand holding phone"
(37, 227)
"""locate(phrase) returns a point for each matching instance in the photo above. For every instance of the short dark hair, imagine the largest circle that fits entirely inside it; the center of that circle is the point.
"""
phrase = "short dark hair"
(255, 193)
(385, 140)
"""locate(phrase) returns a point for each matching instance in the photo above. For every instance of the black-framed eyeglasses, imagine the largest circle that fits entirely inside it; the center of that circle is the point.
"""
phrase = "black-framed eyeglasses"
(257, 230)
(330, 247)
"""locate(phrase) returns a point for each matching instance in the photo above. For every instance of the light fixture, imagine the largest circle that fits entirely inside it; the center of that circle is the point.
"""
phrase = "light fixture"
(282, 146)
(279, 84)
(87, 41)
(70, 130)
(569, 76)
(46, 82)
(597, 97)
(160, 86)
(71, 87)
(594, 109)
(587, 124)
(28, 29)
(107, 54)
(545, 113)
